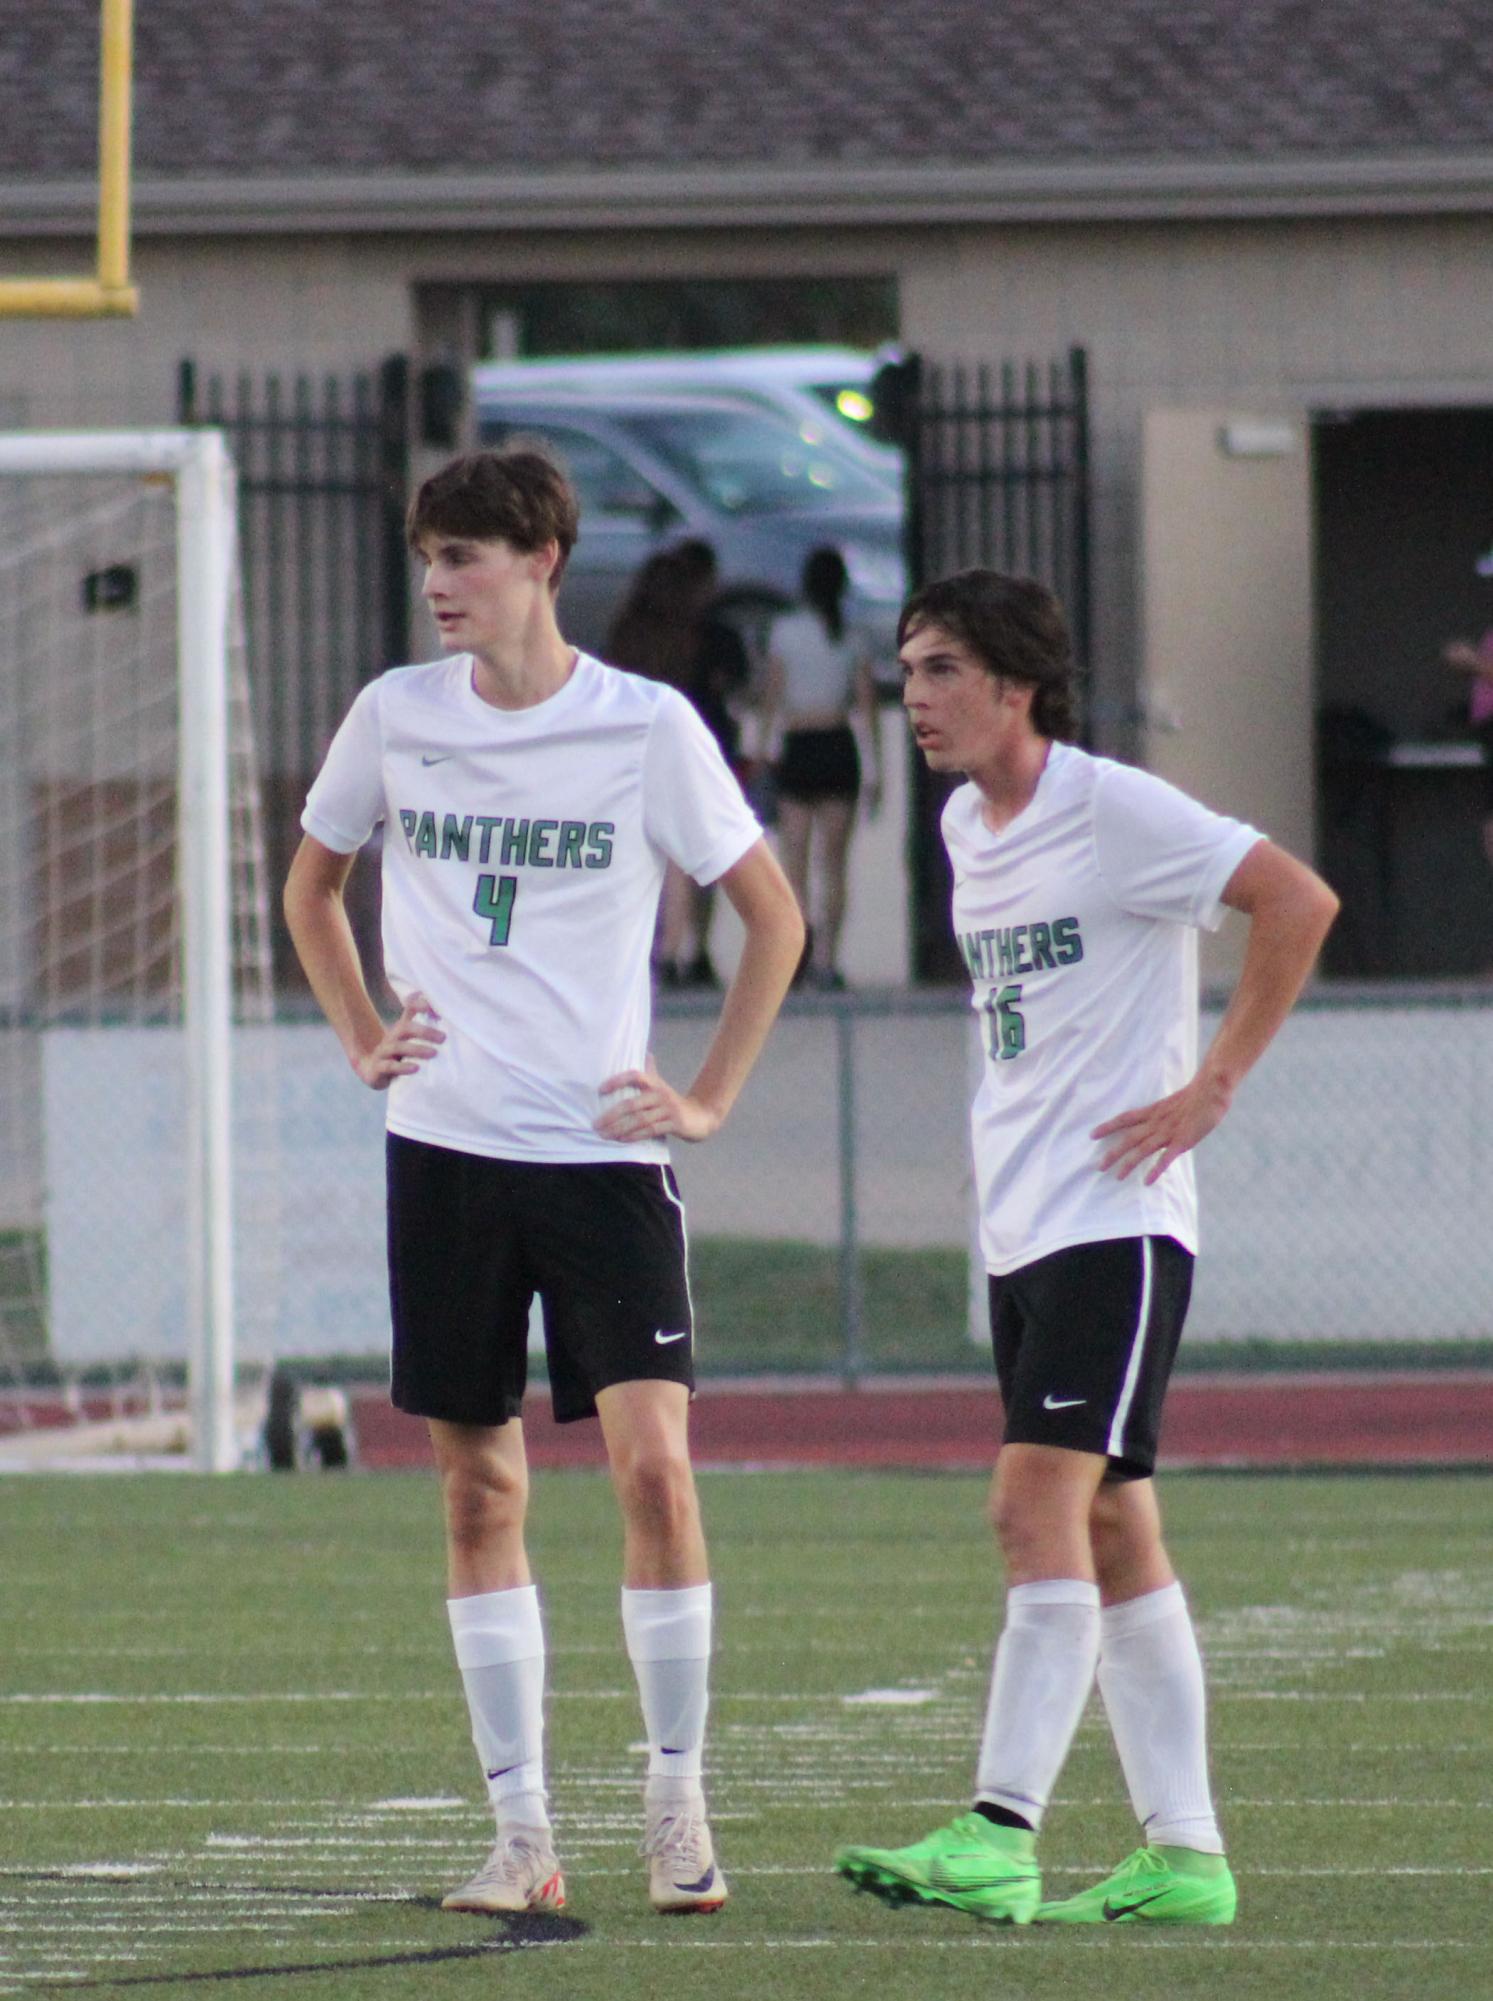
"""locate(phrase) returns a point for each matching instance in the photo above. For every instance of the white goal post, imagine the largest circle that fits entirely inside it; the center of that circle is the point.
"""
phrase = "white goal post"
(199, 865)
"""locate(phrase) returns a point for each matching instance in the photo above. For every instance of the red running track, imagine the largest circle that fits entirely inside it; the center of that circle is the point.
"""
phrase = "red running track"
(1260, 1421)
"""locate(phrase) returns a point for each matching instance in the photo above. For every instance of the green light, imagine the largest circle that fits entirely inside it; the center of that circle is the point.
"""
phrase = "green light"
(857, 407)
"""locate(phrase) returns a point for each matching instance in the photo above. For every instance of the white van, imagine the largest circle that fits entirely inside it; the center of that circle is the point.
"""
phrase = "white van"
(825, 391)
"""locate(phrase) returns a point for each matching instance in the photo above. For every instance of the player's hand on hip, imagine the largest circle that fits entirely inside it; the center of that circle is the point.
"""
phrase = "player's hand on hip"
(1168, 1129)
(402, 1048)
(652, 1109)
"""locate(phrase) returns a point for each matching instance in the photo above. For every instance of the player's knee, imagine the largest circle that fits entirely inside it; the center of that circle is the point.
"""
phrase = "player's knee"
(1129, 1556)
(1016, 1526)
(657, 1489)
(483, 1500)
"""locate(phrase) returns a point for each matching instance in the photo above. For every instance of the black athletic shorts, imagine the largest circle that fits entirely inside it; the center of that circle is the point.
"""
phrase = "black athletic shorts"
(1084, 1344)
(816, 765)
(471, 1240)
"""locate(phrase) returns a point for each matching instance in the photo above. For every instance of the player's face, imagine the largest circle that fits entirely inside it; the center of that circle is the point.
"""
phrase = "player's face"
(482, 594)
(963, 717)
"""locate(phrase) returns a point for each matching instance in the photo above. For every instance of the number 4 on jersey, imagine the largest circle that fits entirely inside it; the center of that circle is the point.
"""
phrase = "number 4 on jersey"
(1005, 1029)
(494, 900)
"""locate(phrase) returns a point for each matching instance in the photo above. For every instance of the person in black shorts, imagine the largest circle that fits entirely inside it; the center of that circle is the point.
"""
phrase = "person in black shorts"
(1079, 885)
(531, 798)
(818, 675)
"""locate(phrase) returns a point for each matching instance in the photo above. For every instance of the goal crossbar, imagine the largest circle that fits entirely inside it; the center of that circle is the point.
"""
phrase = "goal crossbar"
(203, 479)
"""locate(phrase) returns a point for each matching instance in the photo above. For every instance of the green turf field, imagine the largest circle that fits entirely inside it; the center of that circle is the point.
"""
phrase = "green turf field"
(233, 1751)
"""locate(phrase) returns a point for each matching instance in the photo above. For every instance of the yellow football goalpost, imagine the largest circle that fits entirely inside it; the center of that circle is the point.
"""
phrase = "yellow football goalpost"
(109, 290)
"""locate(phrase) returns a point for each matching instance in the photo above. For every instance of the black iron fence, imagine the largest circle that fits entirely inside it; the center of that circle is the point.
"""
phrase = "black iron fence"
(323, 471)
(997, 476)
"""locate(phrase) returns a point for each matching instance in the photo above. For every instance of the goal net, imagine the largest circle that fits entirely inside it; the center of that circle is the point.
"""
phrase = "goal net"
(133, 933)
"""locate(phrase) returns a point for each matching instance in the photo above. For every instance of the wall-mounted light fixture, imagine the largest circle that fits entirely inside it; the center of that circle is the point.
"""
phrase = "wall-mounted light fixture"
(1257, 438)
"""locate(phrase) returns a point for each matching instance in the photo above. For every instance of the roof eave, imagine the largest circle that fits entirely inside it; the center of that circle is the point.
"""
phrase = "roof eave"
(1140, 190)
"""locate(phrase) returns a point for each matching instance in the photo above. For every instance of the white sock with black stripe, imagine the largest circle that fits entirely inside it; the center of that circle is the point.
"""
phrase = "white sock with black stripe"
(1044, 1669)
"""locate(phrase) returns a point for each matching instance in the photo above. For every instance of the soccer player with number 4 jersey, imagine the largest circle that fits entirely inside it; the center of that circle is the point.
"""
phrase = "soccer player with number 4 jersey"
(530, 799)
(1079, 888)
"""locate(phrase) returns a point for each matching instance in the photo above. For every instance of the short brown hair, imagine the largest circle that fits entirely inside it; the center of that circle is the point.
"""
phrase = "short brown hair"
(1016, 629)
(519, 495)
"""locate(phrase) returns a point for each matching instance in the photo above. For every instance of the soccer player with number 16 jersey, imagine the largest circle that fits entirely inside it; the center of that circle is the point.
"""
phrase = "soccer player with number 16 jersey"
(531, 798)
(1079, 889)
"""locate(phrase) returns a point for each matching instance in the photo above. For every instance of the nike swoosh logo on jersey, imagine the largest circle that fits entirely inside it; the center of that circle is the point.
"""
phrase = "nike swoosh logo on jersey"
(1113, 1911)
(663, 1340)
(1050, 1402)
(444, 758)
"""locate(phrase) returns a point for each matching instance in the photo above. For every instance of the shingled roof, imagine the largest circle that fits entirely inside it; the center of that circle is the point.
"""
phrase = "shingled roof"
(304, 92)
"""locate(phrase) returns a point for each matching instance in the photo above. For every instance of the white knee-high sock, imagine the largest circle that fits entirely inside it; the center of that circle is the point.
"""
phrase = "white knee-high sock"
(1151, 1679)
(668, 1643)
(500, 1650)
(1044, 1669)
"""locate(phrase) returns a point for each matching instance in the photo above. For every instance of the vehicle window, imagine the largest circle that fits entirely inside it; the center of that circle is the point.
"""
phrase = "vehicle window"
(605, 483)
(750, 464)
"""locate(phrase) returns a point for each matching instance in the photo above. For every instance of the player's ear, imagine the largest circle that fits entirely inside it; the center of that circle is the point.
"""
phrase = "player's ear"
(543, 562)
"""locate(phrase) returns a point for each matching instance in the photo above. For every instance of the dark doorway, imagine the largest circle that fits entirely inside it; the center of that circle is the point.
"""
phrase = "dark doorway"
(1403, 506)
(527, 321)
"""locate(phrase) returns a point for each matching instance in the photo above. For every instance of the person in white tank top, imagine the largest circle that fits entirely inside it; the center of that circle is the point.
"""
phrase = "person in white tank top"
(818, 676)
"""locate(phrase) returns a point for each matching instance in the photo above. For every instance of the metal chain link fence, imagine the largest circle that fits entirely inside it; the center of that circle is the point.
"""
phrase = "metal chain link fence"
(1344, 1198)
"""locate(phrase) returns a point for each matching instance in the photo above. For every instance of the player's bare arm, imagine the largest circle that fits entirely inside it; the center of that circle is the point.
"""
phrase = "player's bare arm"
(316, 914)
(758, 892)
(1290, 911)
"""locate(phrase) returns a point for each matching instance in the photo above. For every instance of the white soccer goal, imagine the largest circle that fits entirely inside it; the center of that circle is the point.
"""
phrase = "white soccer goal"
(133, 929)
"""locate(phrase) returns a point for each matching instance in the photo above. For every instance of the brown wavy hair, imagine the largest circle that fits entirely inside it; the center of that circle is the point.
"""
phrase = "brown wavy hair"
(1015, 627)
(519, 495)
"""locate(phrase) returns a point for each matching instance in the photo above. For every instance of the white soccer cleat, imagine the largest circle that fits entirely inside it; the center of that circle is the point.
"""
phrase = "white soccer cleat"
(521, 1874)
(682, 1872)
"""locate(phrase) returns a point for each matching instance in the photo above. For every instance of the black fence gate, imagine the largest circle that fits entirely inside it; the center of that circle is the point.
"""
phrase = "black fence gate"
(323, 475)
(997, 476)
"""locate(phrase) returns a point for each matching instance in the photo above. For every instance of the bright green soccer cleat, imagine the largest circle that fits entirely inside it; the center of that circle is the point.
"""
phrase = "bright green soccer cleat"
(987, 1871)
(1147, 1890)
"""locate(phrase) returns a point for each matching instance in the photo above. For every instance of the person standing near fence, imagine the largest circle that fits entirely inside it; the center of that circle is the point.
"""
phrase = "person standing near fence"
(818, 675)
(531, 797)
(1079, 887)
(1476, 660)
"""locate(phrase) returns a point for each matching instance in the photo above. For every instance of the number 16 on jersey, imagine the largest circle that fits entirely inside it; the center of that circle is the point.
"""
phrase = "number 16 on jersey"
(1005, 1028)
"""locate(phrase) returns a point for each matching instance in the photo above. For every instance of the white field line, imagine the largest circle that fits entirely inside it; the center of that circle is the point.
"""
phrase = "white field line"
(67, 1927)
(727, 1786)
(48, 1698)
(1230, 1943)
(1360, 1696)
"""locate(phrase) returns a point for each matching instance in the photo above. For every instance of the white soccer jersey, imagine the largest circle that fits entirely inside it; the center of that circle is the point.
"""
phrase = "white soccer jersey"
(1078, 923)
(523, 855)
